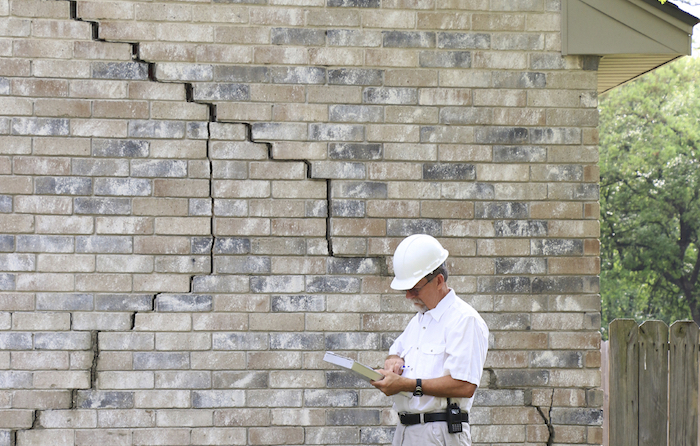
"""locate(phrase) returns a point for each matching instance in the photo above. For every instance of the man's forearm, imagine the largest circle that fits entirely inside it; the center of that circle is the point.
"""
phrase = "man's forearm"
(445, 386)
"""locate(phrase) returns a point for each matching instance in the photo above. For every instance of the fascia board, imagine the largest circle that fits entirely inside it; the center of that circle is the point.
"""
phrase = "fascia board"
(591, 31)
(644, 22)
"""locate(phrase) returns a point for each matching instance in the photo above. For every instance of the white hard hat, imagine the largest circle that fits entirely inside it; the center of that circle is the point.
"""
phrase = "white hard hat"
(416, 257)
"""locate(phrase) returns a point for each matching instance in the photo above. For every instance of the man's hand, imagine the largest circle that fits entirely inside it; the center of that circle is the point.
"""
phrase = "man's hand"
(392, 383)
(395, 364)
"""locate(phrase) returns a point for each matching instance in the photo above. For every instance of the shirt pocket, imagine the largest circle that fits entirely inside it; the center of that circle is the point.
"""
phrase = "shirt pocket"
(432, 360)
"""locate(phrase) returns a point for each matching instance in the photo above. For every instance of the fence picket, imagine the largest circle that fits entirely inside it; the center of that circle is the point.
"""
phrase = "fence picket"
(624, 383)
(653, 383)
(683, 400)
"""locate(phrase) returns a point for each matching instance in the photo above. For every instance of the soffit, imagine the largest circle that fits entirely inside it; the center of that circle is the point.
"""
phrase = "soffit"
(634, 36)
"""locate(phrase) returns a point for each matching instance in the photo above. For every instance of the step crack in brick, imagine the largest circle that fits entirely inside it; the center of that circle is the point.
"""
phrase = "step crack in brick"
(548, 420)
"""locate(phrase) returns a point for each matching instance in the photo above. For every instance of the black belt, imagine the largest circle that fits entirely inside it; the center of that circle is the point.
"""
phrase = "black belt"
(415, 418)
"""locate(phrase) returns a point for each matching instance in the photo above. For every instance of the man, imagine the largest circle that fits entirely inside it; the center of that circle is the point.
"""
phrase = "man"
(439, 356)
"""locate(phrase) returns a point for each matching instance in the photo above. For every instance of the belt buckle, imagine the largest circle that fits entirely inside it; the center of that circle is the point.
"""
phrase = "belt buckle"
(422, 418)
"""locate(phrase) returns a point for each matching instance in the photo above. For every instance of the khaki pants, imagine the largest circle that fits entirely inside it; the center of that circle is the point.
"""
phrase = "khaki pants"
(431, 434)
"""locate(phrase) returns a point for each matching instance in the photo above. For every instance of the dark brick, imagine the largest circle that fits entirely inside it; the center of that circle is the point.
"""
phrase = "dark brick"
(508, 321)
(217, 398)
(278, 245)
(408, 39)
(63, 185)
(96, 399)
(564, 172)
(577, 416)
(354, 76)
(445, 59)
(519, 154)
(184, 302)
(316, 208)
(500, 209)
(201, 245)
(520, 228)
(352, 341)
(353, 417)
(376, 435)
(590, 63)
(120, 148)
(336, 132)
(241, 74)
(231, 245)
(45, 243)
(338, 170)
(132, 187)
(388, 339)
(521, 265)
(586, 192)
(352, 151)
(120, 70)
(331, 284)
(40, 126)
(156, 129)
(224, 207)
(556, 247)
(159, 168)
(98, 167)
(508, 285)
(102, 206)
(390, 95)
(15, 341)
(547, 61)
(297, 303)
(555, 136)
(197, 130)
(520, 378)
(64, 302)
(296, 341)
(348, 208)
(74, 340)
(505, 79)
(480, 41)
(124, 302)
(330, 398)
(298, 75)
(501, 135)
(555, 359)
(5, 205)
(7, 243)
(216, 284)
(405, 227)
(200, 207)
(354, 38)
(221, 92)
(354, 265)
(552, 285)
(298, 36)
(356, 113)
(353, 3)
(7, 282)
(446, 172)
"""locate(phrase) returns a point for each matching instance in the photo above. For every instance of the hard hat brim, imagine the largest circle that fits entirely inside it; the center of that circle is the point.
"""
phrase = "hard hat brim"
(403, 285)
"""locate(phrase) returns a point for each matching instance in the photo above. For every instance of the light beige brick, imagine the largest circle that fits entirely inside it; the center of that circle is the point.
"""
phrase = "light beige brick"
(109, 283)
(391, 58)
(334, 94)
(65, 263)
(276, 93)
(162, 283)
(63, 108)
(98, 89)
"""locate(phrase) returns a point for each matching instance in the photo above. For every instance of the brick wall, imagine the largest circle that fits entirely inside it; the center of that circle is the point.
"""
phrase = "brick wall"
(197, 199)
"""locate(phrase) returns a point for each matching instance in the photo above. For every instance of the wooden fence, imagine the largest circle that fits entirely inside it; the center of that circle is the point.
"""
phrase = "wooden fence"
(653, 384)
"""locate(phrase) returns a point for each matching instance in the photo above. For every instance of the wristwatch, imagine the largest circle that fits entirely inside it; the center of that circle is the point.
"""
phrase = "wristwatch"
(419, 388)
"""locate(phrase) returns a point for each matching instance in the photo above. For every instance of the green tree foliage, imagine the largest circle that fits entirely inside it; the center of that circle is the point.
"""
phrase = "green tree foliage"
(650, 197)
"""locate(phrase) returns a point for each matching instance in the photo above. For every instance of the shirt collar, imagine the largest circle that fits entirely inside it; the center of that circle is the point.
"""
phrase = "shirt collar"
(442, 306)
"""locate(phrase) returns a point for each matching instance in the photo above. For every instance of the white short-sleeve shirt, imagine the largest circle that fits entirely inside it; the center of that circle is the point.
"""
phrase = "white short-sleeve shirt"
(451, 339)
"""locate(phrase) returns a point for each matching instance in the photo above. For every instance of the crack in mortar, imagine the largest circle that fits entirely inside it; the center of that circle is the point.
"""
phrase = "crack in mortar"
(548, 420)
(189, 91)
(94, 335)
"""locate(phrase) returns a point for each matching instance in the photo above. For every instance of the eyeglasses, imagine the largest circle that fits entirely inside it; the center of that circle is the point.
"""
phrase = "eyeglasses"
(414, 291)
